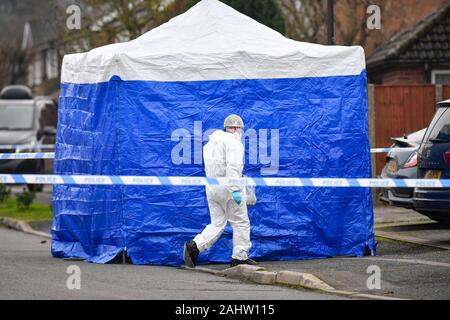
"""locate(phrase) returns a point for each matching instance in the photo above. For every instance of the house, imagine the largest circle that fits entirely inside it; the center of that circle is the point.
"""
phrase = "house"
(44, 59)
(29, 43)
(419, 55)
(40, 30)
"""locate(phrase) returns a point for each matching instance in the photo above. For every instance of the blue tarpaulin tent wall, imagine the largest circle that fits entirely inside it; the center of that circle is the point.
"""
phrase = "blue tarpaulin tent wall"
(145, 107)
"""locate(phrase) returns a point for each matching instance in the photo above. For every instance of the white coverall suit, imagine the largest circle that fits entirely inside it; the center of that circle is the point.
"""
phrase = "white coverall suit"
(224, 157)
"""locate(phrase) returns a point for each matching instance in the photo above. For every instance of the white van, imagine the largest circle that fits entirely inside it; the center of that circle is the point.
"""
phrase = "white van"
(26, 122)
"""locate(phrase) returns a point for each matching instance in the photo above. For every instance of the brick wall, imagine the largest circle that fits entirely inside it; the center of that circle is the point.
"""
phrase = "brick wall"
(404, 76)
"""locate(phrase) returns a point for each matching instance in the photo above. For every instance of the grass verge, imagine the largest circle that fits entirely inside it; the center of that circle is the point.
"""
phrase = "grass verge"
(35, 212)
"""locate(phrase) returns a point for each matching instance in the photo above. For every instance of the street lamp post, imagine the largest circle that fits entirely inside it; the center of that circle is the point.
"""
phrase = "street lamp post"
(330, 20)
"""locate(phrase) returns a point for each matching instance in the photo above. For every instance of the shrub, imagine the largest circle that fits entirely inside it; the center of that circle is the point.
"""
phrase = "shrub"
(24, 199)
(5, 192)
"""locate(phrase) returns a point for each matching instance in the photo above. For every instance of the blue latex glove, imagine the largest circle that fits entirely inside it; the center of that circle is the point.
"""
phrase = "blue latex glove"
(237, 197)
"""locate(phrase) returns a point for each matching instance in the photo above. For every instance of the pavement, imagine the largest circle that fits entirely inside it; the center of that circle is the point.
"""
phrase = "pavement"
(427, 234)
(386, 214)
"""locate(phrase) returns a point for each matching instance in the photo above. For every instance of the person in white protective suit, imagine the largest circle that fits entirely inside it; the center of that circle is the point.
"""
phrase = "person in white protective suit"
(224, 157)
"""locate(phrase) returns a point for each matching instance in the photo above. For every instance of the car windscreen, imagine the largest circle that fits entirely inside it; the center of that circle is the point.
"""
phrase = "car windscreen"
(439, 129)
(16, 117)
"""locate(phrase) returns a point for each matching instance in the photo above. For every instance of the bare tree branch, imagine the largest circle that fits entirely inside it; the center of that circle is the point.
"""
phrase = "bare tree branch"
(105, 22)
(13, 63)
(306, 20)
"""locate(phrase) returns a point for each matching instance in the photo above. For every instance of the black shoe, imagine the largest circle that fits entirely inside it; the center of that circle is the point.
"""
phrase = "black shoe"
(236, 262)
(190, 253)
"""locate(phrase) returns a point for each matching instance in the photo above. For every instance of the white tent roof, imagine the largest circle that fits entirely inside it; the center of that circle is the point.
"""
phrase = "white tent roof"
(211, 41)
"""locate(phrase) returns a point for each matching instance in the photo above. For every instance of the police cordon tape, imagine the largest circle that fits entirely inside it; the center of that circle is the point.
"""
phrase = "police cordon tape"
(25, 155)
(203, 181)
(52, 146)
(26, 146)
(51, 155)
(387, 150)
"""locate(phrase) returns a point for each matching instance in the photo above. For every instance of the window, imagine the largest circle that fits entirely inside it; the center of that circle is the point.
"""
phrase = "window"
(51, 64)
(440, 76)
(37, 70)
(30, 75)
(16, 116)
(439, 128)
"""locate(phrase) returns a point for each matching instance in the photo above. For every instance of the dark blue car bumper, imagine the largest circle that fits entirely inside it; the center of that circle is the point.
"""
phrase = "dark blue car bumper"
(432, 200)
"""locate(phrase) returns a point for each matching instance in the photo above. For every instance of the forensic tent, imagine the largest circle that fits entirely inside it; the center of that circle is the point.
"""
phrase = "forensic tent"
(146, 107)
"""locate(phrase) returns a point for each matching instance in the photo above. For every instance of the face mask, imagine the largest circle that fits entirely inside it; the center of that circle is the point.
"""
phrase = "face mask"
(238, 135)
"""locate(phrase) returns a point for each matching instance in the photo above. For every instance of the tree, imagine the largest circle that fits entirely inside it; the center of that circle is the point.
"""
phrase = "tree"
(306, 20)
(13, 62)
(15, 54)
(266, 12)
(351, 24)
(105, 22)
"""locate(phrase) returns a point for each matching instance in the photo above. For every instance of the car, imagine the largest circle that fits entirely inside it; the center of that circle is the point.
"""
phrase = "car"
(434, 163)
(25, 121)
(401, 164)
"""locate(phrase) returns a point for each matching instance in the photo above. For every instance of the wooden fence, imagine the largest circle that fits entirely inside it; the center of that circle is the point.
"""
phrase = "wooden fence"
(446, 92)
(400, 110)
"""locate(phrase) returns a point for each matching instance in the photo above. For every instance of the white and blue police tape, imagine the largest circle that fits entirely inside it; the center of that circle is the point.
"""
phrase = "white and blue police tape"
(387, 150)
(25, 155)
(26, 146)
(203, 181)
(51, 155)
(52, 146)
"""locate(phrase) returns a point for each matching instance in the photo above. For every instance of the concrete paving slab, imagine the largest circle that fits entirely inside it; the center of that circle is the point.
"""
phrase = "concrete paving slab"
(386, 214)
(429, 234)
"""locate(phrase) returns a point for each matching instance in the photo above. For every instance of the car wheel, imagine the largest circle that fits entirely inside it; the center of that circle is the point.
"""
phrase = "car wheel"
(40, 169)
(438, 218)
(445, 221)
(35, 187)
